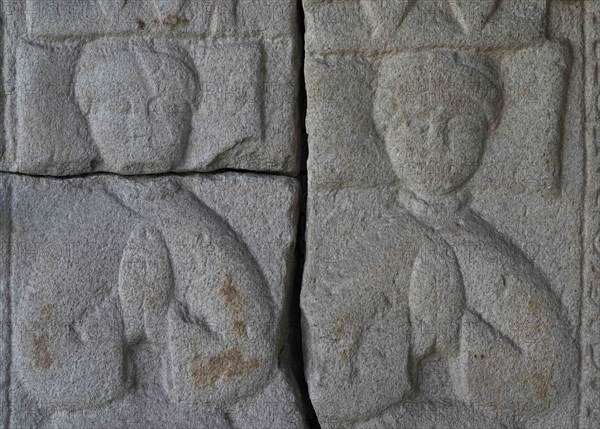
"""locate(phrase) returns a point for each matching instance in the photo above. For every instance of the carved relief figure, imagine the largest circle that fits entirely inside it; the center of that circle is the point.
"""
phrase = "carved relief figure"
(474, 298)
(485, 330)
(141, 297)
(138, 98)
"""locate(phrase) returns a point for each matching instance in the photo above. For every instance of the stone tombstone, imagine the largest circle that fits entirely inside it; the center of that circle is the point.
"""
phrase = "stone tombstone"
(452, 220)
(131, 296)
(148, 302)
(149, 211)
(224, 73)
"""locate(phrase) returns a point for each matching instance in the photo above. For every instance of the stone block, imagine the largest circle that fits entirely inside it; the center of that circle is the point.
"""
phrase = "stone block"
(194, 85)
(447, 277)
(147, 302)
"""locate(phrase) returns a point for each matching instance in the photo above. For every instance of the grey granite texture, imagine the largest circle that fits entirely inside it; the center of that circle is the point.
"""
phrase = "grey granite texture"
(149, 302)
(162, 264)
(449, 279)
(150, 86)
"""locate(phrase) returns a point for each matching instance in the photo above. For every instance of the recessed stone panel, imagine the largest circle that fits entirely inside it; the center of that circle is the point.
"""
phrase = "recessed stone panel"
(446, 266)
(195, 85)
(148, 302)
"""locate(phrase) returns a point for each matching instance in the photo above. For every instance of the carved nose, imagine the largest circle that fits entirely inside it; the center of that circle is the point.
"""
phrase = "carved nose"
(436, 137)
(139, 121)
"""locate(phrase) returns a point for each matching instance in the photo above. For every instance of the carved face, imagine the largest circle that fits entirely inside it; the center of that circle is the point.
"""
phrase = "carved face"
(435, 149)
(136, 120)
(434, 111)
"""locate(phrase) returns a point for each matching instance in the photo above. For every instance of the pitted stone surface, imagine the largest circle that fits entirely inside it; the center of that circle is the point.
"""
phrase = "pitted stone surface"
(135, 87)
(149, 302)
(445, 281)
(149, 264)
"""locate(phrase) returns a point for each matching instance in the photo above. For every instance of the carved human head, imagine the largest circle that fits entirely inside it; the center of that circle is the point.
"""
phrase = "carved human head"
(138, 98)
(434, 111)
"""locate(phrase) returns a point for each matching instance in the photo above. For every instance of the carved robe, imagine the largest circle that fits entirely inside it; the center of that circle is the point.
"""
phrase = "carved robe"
(147, 274)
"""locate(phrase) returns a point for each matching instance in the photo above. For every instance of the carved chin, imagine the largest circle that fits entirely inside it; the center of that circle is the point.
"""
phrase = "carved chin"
(141, 154)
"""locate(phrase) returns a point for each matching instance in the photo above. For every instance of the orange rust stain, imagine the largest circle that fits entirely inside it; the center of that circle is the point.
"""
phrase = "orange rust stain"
(341, 333)
(239, 326)
(42, 358)
(152, 302)
(47, 311)
(227, 364)
(234, 304)
(535, 307)
(344, 356)
(541, 385)
(341, 328)
(175, 20)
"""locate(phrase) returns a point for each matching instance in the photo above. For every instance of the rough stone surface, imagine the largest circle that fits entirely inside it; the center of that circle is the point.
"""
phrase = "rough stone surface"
(450, 279)
(163, 266)
(153, 86)
(148, 302)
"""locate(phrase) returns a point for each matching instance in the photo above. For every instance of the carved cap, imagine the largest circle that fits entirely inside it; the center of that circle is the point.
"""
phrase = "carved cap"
(416, 81)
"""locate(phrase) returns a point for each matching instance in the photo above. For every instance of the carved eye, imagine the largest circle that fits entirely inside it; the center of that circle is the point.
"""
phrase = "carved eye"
(417, 125)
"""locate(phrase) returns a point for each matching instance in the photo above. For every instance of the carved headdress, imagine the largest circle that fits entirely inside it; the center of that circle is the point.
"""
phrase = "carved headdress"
(163, 65)
(438, 77)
